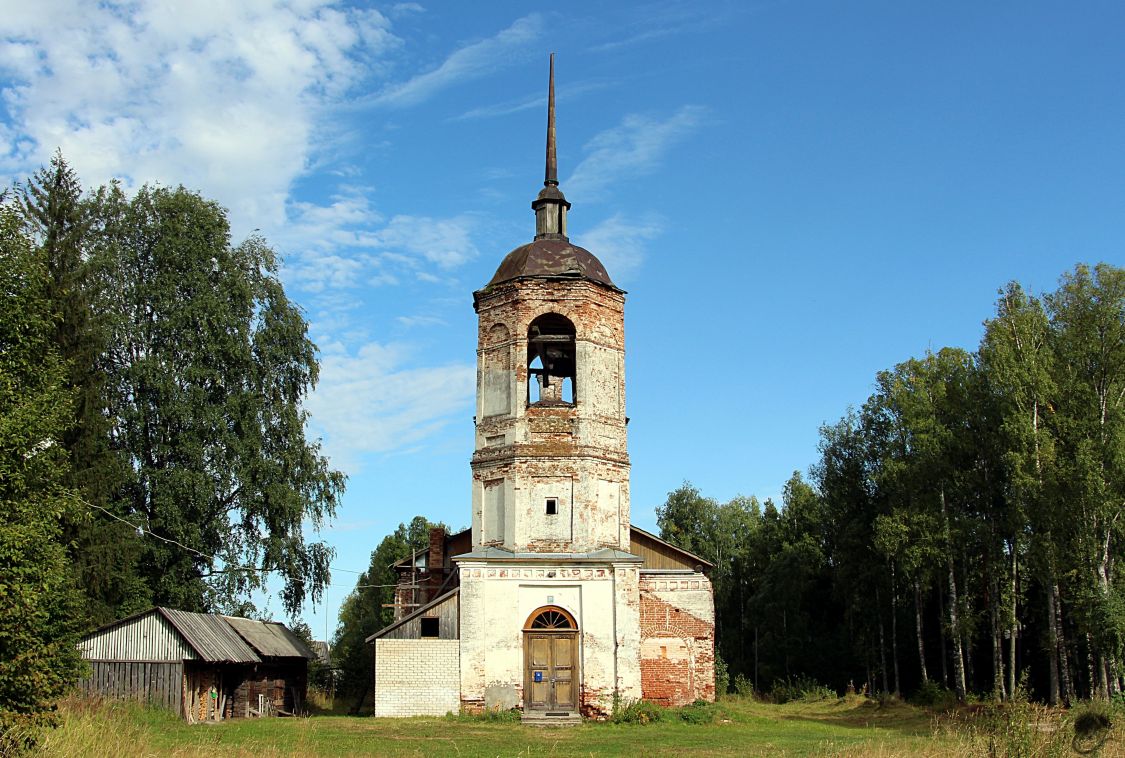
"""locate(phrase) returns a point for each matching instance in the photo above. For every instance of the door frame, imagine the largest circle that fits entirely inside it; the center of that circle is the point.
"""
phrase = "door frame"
(576, 671)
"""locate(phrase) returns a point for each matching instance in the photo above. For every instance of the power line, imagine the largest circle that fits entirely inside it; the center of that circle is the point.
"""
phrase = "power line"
(142, 530)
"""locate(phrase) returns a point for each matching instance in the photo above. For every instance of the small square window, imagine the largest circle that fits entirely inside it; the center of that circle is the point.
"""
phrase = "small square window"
(552, 506)
(430, 627)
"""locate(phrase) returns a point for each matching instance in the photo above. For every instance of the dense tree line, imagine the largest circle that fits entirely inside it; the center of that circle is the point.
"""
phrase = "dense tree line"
(962, 528)
(370, 606)
(39, 606)
(153, 444)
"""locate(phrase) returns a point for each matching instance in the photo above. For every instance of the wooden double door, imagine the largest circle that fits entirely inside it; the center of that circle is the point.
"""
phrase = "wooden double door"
(552, 670)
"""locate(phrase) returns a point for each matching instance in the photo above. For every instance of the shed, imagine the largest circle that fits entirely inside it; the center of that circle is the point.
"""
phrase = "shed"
(192, 663)
(282, 678)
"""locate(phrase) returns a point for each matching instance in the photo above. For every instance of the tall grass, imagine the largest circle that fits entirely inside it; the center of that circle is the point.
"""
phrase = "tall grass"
(852, 726)
(92, 726)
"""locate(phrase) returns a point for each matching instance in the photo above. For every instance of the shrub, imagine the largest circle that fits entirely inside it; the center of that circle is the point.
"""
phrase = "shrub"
(801, 687)
(722, 677)
(700, 712)
(933, 695)
(636, 712)
(743, 686)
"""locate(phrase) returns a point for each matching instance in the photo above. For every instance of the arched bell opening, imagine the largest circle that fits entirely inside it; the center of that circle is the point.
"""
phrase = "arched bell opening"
(551, 364)
(551, 674)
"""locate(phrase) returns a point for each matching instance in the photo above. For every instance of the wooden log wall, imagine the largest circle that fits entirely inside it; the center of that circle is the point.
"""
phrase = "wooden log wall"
(157, 682)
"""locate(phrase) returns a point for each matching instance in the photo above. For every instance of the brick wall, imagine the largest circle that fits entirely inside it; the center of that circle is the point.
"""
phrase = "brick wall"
(677, 640)
(417, 677)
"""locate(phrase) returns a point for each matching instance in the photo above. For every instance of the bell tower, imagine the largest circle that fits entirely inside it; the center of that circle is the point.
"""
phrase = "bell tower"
(550, 467)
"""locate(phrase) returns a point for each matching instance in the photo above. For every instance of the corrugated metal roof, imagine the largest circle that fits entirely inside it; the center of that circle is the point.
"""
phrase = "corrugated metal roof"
(147, 636)
(270, 638)
(211, 637)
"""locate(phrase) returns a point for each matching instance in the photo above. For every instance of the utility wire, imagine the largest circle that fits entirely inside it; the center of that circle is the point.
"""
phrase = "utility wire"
(142, 530)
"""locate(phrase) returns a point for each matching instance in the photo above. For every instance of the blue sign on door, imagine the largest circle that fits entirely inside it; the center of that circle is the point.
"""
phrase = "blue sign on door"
(538, 676)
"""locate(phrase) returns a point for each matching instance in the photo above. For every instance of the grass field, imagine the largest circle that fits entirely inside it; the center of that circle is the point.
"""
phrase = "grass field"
(740, 727)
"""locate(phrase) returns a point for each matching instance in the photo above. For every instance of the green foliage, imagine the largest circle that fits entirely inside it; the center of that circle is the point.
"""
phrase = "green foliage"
(39, 608)
(211, 366)
(800, 687)
(103, 554)
(932, 695)
(722, 677)
(363, 611)
(635, 712)
(700, 712)
(187, 367)
(742, 686)
(487, 716)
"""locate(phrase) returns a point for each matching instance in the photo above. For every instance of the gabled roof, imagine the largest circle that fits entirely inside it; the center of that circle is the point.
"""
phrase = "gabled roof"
(270, 638)
(212, 638)
(219, 639)
(405, 619)
(689, 556)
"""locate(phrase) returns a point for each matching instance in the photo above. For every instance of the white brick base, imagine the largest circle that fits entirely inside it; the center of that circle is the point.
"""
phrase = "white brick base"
(417, 677)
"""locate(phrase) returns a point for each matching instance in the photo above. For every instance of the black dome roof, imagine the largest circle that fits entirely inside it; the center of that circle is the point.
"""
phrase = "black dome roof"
(550, 258)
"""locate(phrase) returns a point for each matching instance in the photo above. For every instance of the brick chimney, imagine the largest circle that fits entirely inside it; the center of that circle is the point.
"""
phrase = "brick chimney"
(435, 563)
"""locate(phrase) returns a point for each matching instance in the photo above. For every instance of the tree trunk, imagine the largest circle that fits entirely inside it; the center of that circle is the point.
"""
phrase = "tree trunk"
(756, 658)
(894, 638)
(785, 640)
(1065, 682)
(1052, 650)
(954, 625)
(998, 693)
(1013, 625)
(882, 644)
(966, 638)
(944, 639)
(918, 630)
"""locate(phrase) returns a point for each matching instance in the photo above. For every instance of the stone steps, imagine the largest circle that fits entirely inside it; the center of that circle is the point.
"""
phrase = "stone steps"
(551, 718)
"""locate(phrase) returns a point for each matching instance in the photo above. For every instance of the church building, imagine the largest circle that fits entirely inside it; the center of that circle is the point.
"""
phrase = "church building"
(552, 602)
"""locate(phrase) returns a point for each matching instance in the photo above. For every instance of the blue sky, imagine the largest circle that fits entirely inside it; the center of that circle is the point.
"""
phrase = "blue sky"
(795, 194)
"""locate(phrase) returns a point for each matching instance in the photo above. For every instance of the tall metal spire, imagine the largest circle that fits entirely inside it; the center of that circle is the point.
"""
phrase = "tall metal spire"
(551, 205)
(552, 173)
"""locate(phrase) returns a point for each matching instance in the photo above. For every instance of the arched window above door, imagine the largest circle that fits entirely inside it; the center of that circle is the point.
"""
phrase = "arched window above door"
(551, 617)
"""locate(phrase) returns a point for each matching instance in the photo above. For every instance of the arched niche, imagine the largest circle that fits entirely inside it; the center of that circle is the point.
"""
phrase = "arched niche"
(496, 372)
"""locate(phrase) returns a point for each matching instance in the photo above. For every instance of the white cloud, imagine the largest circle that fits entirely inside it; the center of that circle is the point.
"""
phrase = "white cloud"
(446, 242)
(347, 244)
(634, 148)
(469, 62)
(620, 243)
(222, 96)
(368, 401)
(421, 320)
(536, 102)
